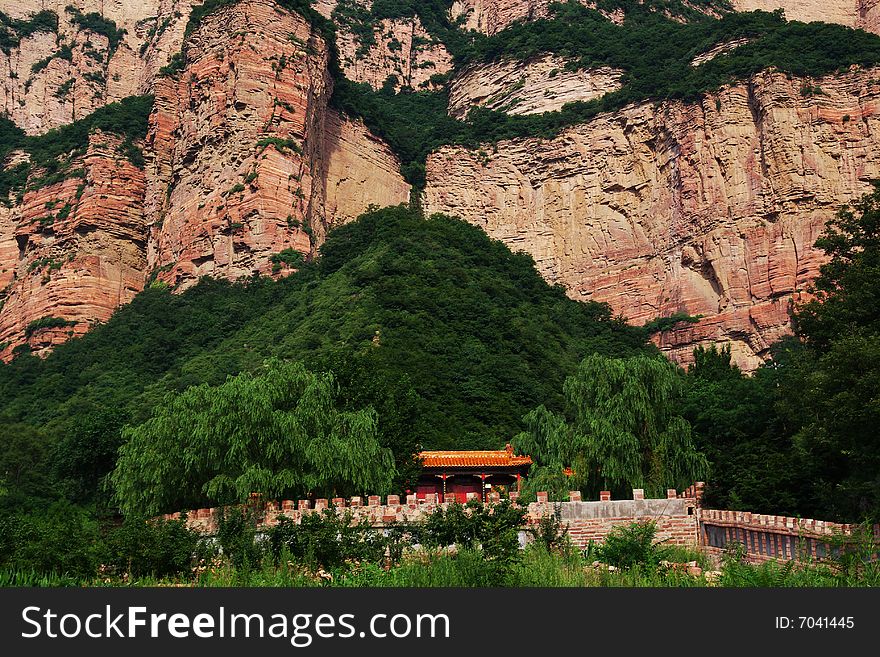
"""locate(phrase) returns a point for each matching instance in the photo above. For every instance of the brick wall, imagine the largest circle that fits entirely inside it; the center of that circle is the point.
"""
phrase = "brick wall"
(586, 521)
(679, 518)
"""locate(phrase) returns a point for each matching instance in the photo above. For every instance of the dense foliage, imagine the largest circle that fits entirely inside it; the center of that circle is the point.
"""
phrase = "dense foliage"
(279, 432)
(652, 46)
(95, 22)
(799, 436)
(621, 431)
(838, 395)
(445, 333)
(12, 31)
(741, 425)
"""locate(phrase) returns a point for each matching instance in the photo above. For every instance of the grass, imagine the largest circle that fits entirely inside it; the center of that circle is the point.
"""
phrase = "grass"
(469, 568)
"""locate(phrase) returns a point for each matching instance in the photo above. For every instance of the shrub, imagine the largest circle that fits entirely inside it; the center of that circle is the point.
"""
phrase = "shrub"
(632, 545)
(492, 529)
(326, 540)
(152, 547)
(288, 257)
(46, 322)
(550, 534)
(62, 539)
(661, 324)
(95, 22)
(237, 536)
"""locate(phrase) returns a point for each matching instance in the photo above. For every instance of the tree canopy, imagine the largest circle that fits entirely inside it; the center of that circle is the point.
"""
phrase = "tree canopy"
(621, 429)
(278, 433)
(839, 394)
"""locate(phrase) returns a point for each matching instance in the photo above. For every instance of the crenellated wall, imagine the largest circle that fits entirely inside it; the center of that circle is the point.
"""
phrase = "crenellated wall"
(768, 538)
(679, 518)
(586, 521)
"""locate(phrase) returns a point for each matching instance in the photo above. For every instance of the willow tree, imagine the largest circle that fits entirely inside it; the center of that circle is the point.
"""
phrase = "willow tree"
(279, 433)
(620, 431)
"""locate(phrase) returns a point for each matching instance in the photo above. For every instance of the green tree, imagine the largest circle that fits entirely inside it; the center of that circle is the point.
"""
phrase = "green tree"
(739, 425)
(86, 453)
(838, 388)
(279, 433)
(620, 431)
(24, 471)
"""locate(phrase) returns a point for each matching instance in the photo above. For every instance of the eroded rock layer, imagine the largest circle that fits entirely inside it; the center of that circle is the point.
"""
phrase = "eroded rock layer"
(492, 16)
(541, 84)
(100, 52)
(372, 51)
(73, 251)
(237, 138)
(708, 209)
(243, 162)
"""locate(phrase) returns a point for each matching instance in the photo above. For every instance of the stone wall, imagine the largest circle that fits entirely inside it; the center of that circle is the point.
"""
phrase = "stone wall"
(680, 521)
(586, 521)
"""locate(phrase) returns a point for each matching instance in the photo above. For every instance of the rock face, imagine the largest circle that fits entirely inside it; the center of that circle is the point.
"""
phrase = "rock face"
(237, 141)
(371, 51)
(53, 77)
(243, 160)
(709, 209)
(360, 171)
(72, 251)
(246, 160)
(862, 14)
(539, 85)
(492, 16)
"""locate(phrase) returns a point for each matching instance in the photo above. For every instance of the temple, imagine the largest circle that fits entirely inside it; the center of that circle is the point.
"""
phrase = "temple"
(479, 471)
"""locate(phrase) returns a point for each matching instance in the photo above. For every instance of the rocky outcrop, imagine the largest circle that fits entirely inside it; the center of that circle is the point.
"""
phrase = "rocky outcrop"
(492, 16)
(709, 209)
(56, 76)
(862, 14)
(245, 161)
(360, 171)
(73, 251)
(719, 49)
(541, 84)
(372, 51)
(237, 142)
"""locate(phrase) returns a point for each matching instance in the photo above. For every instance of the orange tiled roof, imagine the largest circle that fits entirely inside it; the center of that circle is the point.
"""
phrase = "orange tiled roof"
(474, 458)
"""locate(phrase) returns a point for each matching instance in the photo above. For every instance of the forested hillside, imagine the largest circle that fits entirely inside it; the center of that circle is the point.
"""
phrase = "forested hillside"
(449, 335)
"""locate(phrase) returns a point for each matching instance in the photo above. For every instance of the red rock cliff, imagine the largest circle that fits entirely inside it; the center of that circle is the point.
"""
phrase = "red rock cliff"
(709, 209)
(72, 251)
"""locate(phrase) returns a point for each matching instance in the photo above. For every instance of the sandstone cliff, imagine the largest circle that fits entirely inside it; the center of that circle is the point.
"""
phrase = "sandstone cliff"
(243, 161)
(492, 16)
(709, 209)
(371, 51)
(54, 77)
(539, 85)
(72, 251)
(237, 142)
(244, 157)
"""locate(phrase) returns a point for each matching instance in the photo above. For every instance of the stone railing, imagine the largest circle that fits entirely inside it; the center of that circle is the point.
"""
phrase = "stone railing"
(765, 537)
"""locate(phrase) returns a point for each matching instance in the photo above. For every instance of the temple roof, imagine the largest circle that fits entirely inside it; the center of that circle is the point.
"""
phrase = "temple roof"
(502, 458)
